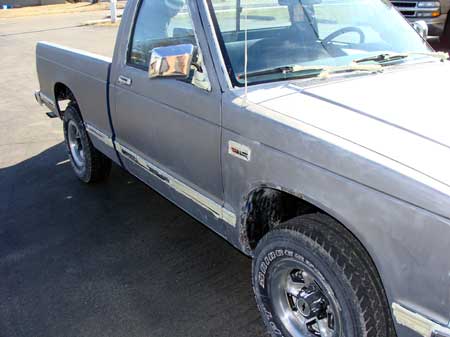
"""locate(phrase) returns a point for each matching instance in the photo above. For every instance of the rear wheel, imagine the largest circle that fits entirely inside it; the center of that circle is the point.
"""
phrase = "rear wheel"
(89, 164)
(312, 278)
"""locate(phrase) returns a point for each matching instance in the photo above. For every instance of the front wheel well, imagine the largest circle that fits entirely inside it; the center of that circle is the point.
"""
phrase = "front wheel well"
(268, 207)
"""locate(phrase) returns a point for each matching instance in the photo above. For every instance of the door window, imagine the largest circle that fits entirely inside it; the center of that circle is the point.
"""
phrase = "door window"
(162, 23)
(159, 23)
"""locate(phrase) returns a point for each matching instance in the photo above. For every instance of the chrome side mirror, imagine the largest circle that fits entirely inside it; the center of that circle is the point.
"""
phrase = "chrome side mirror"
(421, 27)
(171, 61)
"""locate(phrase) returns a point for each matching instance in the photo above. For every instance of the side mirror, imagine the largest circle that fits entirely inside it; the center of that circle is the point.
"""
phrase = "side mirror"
(171, 61)
(421, 27)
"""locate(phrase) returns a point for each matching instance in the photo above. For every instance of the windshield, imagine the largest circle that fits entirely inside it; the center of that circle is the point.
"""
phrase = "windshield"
(308, 33)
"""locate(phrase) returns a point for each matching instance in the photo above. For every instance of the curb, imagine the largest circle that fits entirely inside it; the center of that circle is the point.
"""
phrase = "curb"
(99, 22)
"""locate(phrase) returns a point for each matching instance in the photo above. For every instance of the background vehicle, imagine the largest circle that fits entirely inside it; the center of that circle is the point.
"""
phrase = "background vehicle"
(434, 13)
(287, 138)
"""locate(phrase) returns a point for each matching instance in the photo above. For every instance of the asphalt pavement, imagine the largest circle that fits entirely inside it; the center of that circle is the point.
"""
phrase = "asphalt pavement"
(114, 259)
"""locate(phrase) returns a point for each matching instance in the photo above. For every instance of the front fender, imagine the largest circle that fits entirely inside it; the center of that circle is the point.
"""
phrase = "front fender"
(408, 245)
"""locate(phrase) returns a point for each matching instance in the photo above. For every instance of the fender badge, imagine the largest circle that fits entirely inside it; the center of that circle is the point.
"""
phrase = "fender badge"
(238, 150)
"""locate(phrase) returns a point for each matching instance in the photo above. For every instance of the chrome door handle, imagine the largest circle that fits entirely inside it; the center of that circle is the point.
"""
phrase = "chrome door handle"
(124, 80)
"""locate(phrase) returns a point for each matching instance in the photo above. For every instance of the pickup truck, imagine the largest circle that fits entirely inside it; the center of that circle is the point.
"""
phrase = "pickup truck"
(434, 13)
(301, 131)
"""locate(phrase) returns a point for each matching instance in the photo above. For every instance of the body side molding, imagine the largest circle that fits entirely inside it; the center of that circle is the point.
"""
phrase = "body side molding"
(210, 205)
(99, 135)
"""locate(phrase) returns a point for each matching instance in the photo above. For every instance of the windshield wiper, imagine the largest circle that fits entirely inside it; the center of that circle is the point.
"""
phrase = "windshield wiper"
(320, 71)
(390, 57)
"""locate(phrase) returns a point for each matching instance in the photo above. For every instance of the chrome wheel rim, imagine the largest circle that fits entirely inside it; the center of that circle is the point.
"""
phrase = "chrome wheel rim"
(304, 301)
(75, 145)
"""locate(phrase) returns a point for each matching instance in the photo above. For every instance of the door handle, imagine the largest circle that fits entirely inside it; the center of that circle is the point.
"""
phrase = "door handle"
(124, 80)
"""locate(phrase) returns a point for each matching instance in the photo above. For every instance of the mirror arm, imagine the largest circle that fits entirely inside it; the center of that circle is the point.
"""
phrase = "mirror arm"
(197, 66)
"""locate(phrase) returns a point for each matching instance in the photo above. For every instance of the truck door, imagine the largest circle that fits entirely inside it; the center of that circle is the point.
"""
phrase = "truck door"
(165, 126)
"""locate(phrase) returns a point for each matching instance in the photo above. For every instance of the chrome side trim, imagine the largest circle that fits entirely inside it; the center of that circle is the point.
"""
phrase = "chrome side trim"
(229, 217)
(423, 326)
(47, 100)
(44, 99)
(217, 210)
(37, 96)
(99, 135)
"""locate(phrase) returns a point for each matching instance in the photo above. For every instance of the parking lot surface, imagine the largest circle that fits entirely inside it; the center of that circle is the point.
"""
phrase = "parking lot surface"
(114, 259)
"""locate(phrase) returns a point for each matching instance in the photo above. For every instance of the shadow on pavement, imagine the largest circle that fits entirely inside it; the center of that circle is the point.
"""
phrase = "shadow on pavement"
(114, 259)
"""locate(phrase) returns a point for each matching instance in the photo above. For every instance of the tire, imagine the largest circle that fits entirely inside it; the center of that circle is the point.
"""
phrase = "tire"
(89, 164)
(311, 277)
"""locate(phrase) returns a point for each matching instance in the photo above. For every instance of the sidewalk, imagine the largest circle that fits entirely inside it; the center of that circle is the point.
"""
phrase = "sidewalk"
(57, 9)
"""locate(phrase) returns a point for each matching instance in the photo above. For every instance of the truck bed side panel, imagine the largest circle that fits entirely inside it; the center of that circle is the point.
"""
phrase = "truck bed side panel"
(87, 76)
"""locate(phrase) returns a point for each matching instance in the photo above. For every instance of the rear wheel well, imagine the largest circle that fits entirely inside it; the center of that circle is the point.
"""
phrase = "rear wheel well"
(63, 97)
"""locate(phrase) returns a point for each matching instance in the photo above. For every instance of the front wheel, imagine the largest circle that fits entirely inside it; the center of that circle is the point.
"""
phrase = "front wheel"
(312, 278)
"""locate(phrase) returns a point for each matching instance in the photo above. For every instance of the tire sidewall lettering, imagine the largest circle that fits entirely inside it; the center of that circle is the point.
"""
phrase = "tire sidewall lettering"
(269, 258)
